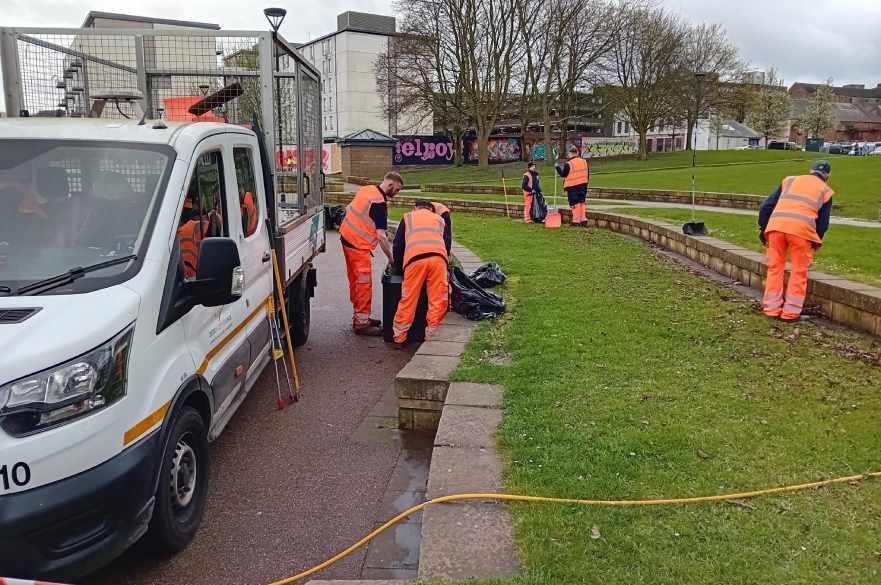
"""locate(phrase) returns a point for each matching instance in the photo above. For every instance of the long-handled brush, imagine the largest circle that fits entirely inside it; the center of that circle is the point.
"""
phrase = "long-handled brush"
(505, 191)
(553, 219)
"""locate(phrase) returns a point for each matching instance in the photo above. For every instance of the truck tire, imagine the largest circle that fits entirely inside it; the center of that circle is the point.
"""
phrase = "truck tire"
(299, 310)
(183, 484)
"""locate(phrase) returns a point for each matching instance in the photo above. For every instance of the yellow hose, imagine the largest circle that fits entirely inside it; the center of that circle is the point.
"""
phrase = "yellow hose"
(542, 499)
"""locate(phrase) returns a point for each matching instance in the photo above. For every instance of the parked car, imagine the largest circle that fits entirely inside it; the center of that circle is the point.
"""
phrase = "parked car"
(781, 145)
(876, 152)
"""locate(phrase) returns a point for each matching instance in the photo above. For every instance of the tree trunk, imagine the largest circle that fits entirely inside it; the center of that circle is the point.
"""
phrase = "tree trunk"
(483, 146)
(643, 145)
(689, 135)
(549, 152)
(458, 155)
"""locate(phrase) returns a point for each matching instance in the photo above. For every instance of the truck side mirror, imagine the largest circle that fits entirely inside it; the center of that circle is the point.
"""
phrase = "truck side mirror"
(219, 277)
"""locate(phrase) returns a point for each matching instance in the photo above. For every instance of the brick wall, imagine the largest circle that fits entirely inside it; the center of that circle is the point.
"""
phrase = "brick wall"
(366, 161)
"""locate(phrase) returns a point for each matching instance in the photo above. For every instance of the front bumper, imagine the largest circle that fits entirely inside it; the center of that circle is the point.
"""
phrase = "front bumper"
(74, 526)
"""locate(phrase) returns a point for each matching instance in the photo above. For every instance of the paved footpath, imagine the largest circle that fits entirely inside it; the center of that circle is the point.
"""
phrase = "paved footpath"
(291, 488)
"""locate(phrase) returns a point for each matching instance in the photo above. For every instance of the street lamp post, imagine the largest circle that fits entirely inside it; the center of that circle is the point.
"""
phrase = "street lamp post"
(275, 16)
(695, 228)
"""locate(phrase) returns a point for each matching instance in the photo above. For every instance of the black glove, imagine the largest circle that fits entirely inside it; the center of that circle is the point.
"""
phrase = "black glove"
(762, 239)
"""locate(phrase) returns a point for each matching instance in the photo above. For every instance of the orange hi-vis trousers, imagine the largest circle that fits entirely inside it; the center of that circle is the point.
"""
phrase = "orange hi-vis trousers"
(579, 213)
(527, 207)
(432, 272)
(359, 267)
(801, 253)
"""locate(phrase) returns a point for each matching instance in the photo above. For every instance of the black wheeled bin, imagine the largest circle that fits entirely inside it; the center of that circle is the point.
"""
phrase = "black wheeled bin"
(391, 296)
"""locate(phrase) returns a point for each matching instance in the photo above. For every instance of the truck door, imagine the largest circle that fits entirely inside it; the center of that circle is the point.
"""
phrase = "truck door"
(219, 346)
(250, 232)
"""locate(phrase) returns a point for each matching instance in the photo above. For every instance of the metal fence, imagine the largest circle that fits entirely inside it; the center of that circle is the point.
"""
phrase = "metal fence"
(124, 73)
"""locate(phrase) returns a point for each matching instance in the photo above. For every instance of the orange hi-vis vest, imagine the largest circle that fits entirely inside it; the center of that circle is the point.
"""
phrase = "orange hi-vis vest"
(249, 212)
(529, 182)
(358, 228)
(423, 234)
(189, 235)
(579, 173)
(799, 206)
(440, 208)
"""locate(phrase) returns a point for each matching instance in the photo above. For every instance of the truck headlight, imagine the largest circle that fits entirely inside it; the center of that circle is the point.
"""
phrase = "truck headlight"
(65, 392)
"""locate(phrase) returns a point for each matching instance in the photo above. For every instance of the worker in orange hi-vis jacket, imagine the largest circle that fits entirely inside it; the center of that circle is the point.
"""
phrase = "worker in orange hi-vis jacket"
(421, 249)
(576, 178)
(793, 220)
(363, 229)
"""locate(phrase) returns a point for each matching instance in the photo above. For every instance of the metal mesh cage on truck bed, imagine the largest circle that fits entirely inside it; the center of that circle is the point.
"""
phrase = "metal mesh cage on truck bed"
(166, 73)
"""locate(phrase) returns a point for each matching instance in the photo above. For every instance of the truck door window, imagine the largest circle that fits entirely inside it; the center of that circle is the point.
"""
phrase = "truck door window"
(204, 213)
(249, 202)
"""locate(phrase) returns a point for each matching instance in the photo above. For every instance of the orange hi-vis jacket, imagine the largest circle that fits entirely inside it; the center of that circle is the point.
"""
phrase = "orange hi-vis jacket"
(799, 206)
(579, 173)
(423, 234)
(358, 228)
(440, 208)
(249, 211)
(189, 235)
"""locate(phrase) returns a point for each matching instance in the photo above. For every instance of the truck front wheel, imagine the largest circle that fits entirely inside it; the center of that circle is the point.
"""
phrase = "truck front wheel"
(299, 309)
(183, 483)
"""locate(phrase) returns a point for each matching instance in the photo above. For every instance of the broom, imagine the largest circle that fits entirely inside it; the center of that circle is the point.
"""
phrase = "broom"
(553, 219)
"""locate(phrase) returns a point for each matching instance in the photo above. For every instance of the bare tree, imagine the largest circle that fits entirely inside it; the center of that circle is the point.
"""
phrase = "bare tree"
(646, 64)
(819, 116)
(708, 59)
(770, 108)
(421, 74)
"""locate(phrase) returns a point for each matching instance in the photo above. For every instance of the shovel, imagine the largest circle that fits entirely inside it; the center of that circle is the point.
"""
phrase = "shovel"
(553, 219)
(693, 228)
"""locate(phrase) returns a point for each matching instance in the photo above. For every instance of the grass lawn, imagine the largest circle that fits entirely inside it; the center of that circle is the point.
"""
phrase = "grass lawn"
(852, 252)
(493, 175)
(857, 180)
(632, 378)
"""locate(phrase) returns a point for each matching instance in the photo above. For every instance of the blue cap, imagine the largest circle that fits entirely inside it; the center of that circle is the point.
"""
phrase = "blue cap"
(821, 168)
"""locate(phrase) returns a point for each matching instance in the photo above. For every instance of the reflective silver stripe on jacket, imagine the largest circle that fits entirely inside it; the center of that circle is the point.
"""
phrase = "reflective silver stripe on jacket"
(793, 215)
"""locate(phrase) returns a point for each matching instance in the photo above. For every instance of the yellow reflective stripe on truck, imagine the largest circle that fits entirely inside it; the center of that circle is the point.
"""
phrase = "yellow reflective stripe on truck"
(157, 415)
(229, 336)
(146, 424)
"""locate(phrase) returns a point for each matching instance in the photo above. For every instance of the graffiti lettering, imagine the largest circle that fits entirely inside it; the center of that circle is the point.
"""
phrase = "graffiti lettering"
(418, 150)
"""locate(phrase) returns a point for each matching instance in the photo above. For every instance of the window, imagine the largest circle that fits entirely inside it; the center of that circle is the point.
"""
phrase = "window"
(204, 214)
(248, 200)
(620, 127)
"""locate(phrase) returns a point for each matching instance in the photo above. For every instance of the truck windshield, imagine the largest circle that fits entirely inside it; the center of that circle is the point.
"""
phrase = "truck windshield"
(69, 204)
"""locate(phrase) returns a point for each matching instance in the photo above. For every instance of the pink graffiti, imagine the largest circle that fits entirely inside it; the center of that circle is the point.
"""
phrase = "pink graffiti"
(425, 150)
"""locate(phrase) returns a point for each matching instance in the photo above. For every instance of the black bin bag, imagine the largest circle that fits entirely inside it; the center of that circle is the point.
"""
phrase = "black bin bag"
(489, 275)
(539, 208)
(334, 216)
(471, 300)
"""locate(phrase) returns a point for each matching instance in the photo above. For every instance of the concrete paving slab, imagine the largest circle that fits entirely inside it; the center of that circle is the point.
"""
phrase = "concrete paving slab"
(393, 549)
(360, 582)
(449, 332)
(468, 426)
(467, 541)
(456, 470)
(468, 394)
(452, 318)
(442, 348)
(395, 502)
(425, 377)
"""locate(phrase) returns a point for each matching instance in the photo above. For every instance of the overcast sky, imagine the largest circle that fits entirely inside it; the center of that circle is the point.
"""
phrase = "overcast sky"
(807, 40)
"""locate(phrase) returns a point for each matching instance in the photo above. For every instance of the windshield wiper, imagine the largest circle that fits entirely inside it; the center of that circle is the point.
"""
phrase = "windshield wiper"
(5, 289)
(71, 275)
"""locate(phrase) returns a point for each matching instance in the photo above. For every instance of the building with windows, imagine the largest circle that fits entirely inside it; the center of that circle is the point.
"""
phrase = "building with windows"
(857, 112)
(347, 61)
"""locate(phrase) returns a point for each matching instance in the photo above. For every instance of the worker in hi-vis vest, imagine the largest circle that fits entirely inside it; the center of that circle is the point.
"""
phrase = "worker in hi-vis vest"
(363, 229)
(576, 177)
(422, 248)
(793, 220)
(531, 187)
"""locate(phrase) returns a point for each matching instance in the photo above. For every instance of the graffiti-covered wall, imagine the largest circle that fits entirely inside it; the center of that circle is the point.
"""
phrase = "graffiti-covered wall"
(502, 149)
(423, 150)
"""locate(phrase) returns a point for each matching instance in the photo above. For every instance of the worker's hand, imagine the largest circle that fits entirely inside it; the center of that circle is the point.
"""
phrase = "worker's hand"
(763, 239)
(816, 245)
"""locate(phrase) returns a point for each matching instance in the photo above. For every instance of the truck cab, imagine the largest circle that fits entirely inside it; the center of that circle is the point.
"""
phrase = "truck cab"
(136, 283)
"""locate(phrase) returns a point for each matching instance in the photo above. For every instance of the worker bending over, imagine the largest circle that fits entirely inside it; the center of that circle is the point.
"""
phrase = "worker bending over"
(531, 187)
(422, 248)
(794, 220)
(576, 177)
(363, 228)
